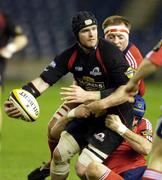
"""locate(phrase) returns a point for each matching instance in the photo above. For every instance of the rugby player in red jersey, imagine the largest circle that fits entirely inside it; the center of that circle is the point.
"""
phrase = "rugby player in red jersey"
(152, 62)
(128, 161)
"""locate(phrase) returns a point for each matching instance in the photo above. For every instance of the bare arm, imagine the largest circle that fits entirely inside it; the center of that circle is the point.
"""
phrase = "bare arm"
(75, 94)
(137, 142)
(40, 84)
(126, 92)
(145, 68)
(17, 43)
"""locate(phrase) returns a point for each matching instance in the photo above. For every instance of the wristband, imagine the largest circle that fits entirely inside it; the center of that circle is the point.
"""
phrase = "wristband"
(32, 89)
(71, 114)
(122, 129)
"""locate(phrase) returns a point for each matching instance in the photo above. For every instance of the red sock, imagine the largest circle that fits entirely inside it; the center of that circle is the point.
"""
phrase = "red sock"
(151, 174)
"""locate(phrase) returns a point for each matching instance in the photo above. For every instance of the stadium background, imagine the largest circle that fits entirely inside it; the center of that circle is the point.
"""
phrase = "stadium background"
(48, 28)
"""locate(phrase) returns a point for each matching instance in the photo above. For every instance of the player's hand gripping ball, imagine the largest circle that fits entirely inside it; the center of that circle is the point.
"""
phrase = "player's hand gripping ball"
(26, 103)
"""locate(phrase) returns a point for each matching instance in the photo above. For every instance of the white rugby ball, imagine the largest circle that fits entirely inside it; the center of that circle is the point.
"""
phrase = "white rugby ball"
(26, 103)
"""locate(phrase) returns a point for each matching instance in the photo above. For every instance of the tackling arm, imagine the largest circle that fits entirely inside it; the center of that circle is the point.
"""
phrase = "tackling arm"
(137, 142)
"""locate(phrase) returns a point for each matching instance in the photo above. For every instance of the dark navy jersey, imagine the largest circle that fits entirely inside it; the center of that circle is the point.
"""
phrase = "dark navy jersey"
(88, 71)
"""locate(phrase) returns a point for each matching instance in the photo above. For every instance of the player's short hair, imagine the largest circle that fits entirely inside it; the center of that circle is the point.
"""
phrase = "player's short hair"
(139, 106)
(116, 20)
(81, 20)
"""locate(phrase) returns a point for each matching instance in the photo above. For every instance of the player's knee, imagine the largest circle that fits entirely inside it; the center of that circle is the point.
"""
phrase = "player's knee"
(92, 169)
(80, 169)
(56, 155)
(66, 148)
(60, 168)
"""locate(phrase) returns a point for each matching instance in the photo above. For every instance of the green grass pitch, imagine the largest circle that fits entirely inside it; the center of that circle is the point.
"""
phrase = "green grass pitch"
(24, 144)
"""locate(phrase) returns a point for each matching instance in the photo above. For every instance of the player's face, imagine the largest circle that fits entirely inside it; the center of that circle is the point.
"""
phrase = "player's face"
(118, 39)
(88, 36)
(135, 121)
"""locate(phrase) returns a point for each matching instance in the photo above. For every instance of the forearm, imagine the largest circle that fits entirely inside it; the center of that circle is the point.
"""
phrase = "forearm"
(36, 87)
(110, 101)
(137, 142)
(106, 92)
(146, 68)
(40, 84)
(93, 95)
(18, 43)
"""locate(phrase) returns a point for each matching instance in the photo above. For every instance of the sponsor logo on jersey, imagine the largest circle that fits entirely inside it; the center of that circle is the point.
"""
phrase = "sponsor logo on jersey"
(146, 132)
(53, 64)
(96, 71)
(100, 136)
(89, 84)
(130, 72)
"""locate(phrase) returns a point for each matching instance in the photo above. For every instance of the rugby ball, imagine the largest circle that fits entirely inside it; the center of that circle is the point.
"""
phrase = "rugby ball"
(26, 103)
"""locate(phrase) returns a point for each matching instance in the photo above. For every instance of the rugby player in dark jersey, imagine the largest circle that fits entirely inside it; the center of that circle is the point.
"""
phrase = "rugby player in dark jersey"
(98, 66)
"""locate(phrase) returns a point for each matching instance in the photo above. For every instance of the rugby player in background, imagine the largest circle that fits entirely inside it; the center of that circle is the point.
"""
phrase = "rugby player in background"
(12, 41)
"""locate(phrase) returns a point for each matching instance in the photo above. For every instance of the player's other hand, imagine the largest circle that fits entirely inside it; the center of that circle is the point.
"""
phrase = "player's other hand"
(74, 94)
(113, 122)
(11, 110)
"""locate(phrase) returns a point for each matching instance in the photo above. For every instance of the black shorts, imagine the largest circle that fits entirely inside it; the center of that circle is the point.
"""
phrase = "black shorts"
(92, 130)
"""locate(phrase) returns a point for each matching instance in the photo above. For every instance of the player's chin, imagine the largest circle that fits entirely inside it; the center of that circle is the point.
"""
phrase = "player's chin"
(90, 46)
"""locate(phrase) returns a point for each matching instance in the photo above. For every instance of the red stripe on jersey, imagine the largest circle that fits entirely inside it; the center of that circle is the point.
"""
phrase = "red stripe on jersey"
(134, 58)
(72, 60)
(134, 55)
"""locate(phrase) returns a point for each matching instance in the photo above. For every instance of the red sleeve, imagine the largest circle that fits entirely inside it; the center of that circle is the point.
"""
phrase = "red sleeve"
(156, 56)
(135, 58)
(136, 54)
